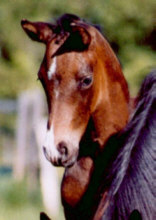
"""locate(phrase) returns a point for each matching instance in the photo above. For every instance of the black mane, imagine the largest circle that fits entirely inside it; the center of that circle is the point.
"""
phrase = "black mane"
(63, 23)
(132, 173)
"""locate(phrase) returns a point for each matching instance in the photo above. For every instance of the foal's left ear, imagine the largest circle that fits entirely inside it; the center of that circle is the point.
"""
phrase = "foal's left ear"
(38, 31)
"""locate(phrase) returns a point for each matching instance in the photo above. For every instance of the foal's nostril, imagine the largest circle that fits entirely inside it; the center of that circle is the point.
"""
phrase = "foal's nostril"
(62, 148)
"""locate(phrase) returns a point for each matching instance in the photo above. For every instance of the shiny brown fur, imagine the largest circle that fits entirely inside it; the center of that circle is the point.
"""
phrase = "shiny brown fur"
(81, 51)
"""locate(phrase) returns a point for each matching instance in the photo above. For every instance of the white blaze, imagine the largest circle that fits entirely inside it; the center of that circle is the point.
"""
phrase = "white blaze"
(52, 68)
(49, 144)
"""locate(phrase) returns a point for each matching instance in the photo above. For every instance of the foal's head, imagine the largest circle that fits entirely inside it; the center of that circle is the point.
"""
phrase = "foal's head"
(70, 75)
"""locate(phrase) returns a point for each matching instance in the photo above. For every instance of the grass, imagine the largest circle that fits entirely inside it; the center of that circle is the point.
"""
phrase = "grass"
(17, 203)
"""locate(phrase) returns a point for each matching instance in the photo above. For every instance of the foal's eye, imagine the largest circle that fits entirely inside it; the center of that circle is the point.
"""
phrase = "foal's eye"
(86, 82)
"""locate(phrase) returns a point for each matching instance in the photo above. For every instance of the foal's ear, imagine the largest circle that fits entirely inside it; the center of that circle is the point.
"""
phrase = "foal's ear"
(78, 40)
(38, 31)
(80, 32)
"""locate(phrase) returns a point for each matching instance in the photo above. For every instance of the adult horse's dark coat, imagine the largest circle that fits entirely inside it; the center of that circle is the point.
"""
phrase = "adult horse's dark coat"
(132, 173)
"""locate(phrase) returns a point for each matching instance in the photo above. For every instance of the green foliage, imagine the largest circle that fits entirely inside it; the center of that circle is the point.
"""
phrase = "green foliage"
(138, 61)
(127, 24)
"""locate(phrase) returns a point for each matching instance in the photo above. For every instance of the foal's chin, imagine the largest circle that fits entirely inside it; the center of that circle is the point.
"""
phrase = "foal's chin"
(65, 163)
(62, 161)
(69, 163)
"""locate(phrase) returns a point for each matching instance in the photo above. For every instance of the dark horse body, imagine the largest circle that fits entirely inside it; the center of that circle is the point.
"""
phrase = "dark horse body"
(132, 172)
(88, 108)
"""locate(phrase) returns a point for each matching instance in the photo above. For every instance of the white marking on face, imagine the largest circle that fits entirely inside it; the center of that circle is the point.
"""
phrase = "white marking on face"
(52, 68)
(61, 131)
(50, 144)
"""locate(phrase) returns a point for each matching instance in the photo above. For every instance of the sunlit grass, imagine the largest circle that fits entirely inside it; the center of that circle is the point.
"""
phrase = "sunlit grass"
(24, 213)
(20, 202)
(16, 202)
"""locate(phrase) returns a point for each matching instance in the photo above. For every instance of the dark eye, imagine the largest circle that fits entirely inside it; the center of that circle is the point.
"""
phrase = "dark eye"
(86, 82)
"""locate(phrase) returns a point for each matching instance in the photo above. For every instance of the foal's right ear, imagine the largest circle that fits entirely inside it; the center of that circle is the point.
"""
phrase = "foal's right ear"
(38, 31)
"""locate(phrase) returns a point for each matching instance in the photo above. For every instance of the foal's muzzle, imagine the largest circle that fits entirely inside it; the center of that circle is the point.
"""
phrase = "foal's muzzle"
(62, 157)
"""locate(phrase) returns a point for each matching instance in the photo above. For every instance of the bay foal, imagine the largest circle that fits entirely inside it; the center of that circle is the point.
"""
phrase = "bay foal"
(87, 99)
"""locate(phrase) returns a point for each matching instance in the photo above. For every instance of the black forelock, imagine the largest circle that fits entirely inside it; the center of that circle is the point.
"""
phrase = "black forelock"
(67, 17)
(63, 23)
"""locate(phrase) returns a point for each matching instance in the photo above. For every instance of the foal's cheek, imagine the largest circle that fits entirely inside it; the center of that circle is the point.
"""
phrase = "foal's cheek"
(81, 117)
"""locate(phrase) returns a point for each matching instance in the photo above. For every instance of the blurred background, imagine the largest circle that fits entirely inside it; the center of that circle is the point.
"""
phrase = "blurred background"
(128, 25)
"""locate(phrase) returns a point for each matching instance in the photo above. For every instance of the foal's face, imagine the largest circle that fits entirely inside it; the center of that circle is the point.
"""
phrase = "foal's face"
(81, 77)
(67, 75)
(68, 81)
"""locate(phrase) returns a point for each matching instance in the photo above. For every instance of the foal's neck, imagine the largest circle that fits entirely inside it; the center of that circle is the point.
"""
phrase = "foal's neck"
(81, 185)
(76, 178)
